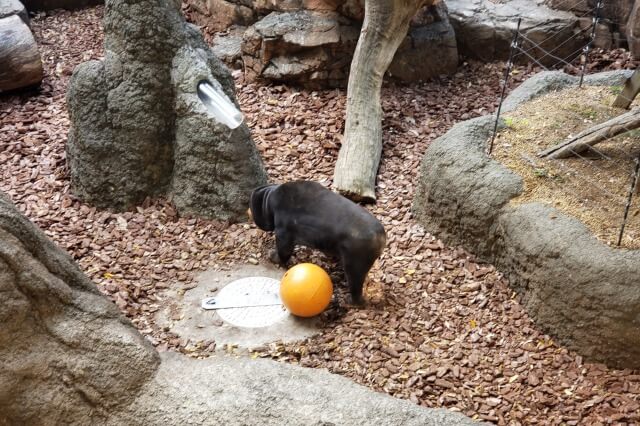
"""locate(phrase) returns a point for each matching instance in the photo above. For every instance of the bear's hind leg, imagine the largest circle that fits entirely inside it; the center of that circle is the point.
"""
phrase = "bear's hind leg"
(355, 270)
(284, 247)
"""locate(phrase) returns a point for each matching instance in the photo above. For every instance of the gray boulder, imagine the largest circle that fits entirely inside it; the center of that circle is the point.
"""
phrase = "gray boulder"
(235, 391)
(20, 63)
(69, 357)
(138, 127)
(485, 30)
(13, 7)
(305, 47)
(218, 15)
(429, 49)
(227, 46)
(581, 291)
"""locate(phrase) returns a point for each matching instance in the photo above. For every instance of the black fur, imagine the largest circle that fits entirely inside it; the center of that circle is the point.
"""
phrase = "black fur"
(309, 214)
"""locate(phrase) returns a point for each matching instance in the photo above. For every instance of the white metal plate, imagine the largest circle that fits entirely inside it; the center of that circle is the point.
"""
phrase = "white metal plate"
(249, 302)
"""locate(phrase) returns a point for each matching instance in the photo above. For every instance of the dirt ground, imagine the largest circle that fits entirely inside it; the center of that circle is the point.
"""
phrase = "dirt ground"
(592, 187)
(442, 329)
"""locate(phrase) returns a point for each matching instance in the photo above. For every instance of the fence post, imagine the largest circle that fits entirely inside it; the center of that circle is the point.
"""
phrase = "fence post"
(514, 46)
(596, 18)
(634, 185)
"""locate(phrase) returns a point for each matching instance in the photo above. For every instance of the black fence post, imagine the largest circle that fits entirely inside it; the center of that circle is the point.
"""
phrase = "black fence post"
(596, 18)
(514, 46)
(634, 185)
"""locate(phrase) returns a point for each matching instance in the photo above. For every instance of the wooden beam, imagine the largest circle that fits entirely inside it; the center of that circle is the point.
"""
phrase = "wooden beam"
(630, 91)
(593, 135)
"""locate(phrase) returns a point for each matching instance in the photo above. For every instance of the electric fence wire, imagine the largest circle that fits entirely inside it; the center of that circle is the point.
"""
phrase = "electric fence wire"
(523, 45)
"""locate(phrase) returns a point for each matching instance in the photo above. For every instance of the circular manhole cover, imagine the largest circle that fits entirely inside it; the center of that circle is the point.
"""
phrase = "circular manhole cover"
(249, 302)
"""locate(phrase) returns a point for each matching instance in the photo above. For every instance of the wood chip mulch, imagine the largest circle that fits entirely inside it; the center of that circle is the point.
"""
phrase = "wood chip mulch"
(442, 329)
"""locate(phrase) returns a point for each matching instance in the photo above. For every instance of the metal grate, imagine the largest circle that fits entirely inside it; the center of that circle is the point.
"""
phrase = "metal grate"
(249, 302)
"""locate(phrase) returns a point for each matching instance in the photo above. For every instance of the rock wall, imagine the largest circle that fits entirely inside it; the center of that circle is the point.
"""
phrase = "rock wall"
(68, 356)
(582, 292)
(139, 128)
(305, 47)
(478, 29)
(219, 15)
(614, 15)
(430, 48)
(314, 47)
(311, 42)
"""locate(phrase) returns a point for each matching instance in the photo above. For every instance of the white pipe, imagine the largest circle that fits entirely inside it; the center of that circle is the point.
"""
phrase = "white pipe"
(219, 104)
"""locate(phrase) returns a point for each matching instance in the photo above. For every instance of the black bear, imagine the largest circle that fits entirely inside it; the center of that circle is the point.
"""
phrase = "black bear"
(309, 214)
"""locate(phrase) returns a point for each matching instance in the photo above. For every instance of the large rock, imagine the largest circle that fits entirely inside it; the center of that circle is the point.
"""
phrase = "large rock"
(221, 15)
(235, 391)
(314, 48)
(218, 15)
(68, 357)
(633, 30)
(139, 128)
(485, 30)
(13, 7)
(228, 46)
(306, 47)
(583, 292)
(429, 49)
(353, 9)
(612, 11)
(20, 63)
(214, 168)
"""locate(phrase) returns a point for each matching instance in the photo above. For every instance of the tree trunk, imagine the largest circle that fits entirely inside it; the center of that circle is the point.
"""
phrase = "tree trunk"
(633, 30)
(593, 135)
(20, 64)
(385, 26)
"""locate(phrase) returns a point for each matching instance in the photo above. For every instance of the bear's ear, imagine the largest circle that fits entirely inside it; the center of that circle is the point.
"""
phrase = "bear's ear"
(260, 208)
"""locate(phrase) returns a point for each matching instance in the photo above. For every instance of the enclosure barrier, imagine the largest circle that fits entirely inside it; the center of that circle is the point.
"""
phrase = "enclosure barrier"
(521, 48)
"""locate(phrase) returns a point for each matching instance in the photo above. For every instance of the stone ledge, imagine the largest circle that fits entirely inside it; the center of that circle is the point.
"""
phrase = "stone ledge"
(581, 291)
(230, 391)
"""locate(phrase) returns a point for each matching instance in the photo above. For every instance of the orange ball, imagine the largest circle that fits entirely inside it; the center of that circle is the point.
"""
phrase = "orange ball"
(306, 290)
